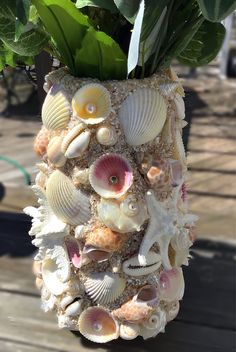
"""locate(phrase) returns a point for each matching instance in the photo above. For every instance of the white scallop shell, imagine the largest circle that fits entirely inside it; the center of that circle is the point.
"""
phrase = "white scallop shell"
(56, 109)
(132, 267)
(129, 331)
(68, 203)
(106, 135)
(76, 141)
(112, 214)
(104, 287)
(142, 116)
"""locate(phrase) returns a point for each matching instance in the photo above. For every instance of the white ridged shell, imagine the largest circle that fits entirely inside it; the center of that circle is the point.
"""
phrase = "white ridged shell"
(106, 135)
(132, 267)
(68, 203)
(104, 288)
(142, 116)
(56, 109)
(129, 331)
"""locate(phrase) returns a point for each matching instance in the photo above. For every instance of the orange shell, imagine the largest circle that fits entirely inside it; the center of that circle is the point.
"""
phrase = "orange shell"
(41, 142)
(105, 238)
(133, 312)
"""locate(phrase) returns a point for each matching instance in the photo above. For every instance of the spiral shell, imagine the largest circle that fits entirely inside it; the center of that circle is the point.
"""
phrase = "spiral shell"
(171, 285)
(104, 238)
(54, 153)
(91, 103)
(111, 176)
(41, 142)
(129, 331)
(106, 135)
(104, 287)
(98, 325)
(154, 324)
(132, 267)
(142, 116)
(69, 204)
(55, 109)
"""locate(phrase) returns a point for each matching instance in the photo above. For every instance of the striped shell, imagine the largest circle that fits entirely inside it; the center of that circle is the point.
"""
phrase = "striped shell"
(56, 109)
(171, 285)
(133, 268)
(91, 103)
(69, 204)
(98, 325)
(106, 135)
(104, 287)
(76, 141)
(104, 238)
(142, 116)
(54, 153)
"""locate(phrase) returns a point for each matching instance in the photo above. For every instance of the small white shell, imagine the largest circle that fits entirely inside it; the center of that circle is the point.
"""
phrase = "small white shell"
(68, 203)
(74, 309)
(106, 135)
(76, 141)
(65, 301)
(142, 116)
(132, 267)
(129, 331)
(154, 325)
(104, 287)
(56, 109)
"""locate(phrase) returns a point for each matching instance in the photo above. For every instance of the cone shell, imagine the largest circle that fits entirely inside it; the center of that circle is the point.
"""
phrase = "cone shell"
(98, 325)
(132, 267)
(129, 331)
(106, 135)
(69, 204)
(104, 287)
(172, 285)
(56, 109)
(41, 142)
(104, 238)
(76, 141)
(111, 176)
(133, 312)
(54, 153)
(91, 103)
(142, 116)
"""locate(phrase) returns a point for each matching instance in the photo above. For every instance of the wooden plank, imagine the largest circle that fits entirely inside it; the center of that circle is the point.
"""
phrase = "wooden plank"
(17, 197)
(9, 346)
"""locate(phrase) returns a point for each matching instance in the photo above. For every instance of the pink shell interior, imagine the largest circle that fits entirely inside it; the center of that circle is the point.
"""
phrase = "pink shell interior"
(73, 252)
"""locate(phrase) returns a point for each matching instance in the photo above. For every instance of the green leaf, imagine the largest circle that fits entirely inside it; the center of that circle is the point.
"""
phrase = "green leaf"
(100, 57)
(128, 8)
(22, 14)
(217, 10)
(31, 40)
(104, 4)
(204, 46)
(8, 57)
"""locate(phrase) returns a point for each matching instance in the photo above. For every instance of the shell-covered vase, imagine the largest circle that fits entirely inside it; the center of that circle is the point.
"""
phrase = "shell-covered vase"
(112, 227)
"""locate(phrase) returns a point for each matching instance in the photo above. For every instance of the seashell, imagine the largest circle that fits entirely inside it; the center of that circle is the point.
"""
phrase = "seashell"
(65, 301)
(176, 172)
(74, 309)
(73, 250)
(132, 267)
(111, 175)
(92, 103)
(159, 174)
(37, 268)
(41, 179)
(50, 277)
(171, 285)
(69, 204)
(112, 214)
(180, 106)
(104, 238)
(55, 109)
(104, 287)
(130, 206)
(80, 177)
(96, 254)
(172, 310)
(168, 89)
(39, 283)
(133, 312)
(98, 325)
(79, 230)
(41, 142)
(142, 116)
(129, 331)
(154, 324)
(54, 153)
(76, 141)
(106, 135)
(148, 294)
(47, 84)
(48, 300)
(73, 287)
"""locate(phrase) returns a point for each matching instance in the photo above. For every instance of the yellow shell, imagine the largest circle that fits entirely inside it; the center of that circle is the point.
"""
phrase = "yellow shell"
(56, 109)
(76, 141)
(104, 238)
(54, 153)
(91, 103)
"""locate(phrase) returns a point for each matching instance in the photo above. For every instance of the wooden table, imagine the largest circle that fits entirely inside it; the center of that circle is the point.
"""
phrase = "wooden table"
(206, 322)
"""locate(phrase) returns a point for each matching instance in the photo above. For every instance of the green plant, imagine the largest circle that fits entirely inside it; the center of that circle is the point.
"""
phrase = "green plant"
(113, 39)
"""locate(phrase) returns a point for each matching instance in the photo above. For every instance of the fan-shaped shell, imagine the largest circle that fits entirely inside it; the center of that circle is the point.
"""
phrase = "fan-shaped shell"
(54, 153)
(41, 142)
(50, 277)
(142, 116)
(56, 109)
(92, 103)
(114, 214)
(133, 312)
(111, 176)
(133, 268)
(171, 285)
(76, 141)
(104, 238)
(106, 135)
(69, 204)
(104, 287)
(129, 331)
(98, 325)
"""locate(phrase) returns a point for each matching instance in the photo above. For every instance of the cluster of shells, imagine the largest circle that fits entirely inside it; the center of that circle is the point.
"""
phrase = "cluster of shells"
(112, 227)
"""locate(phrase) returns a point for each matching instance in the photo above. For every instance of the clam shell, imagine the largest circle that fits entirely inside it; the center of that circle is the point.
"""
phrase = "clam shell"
(104, 238)
(92, 103)
(142, 116)
(113, 215)
(41, 142)
(69, 204)
(76, 141)
(132, 267)
(50, 277)
(98, 325)
(54, 153)
(111, 175)
(104, 287)
(55, 109)
(129, 331)
(106, 135)
(133, 312)
(171, 285)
